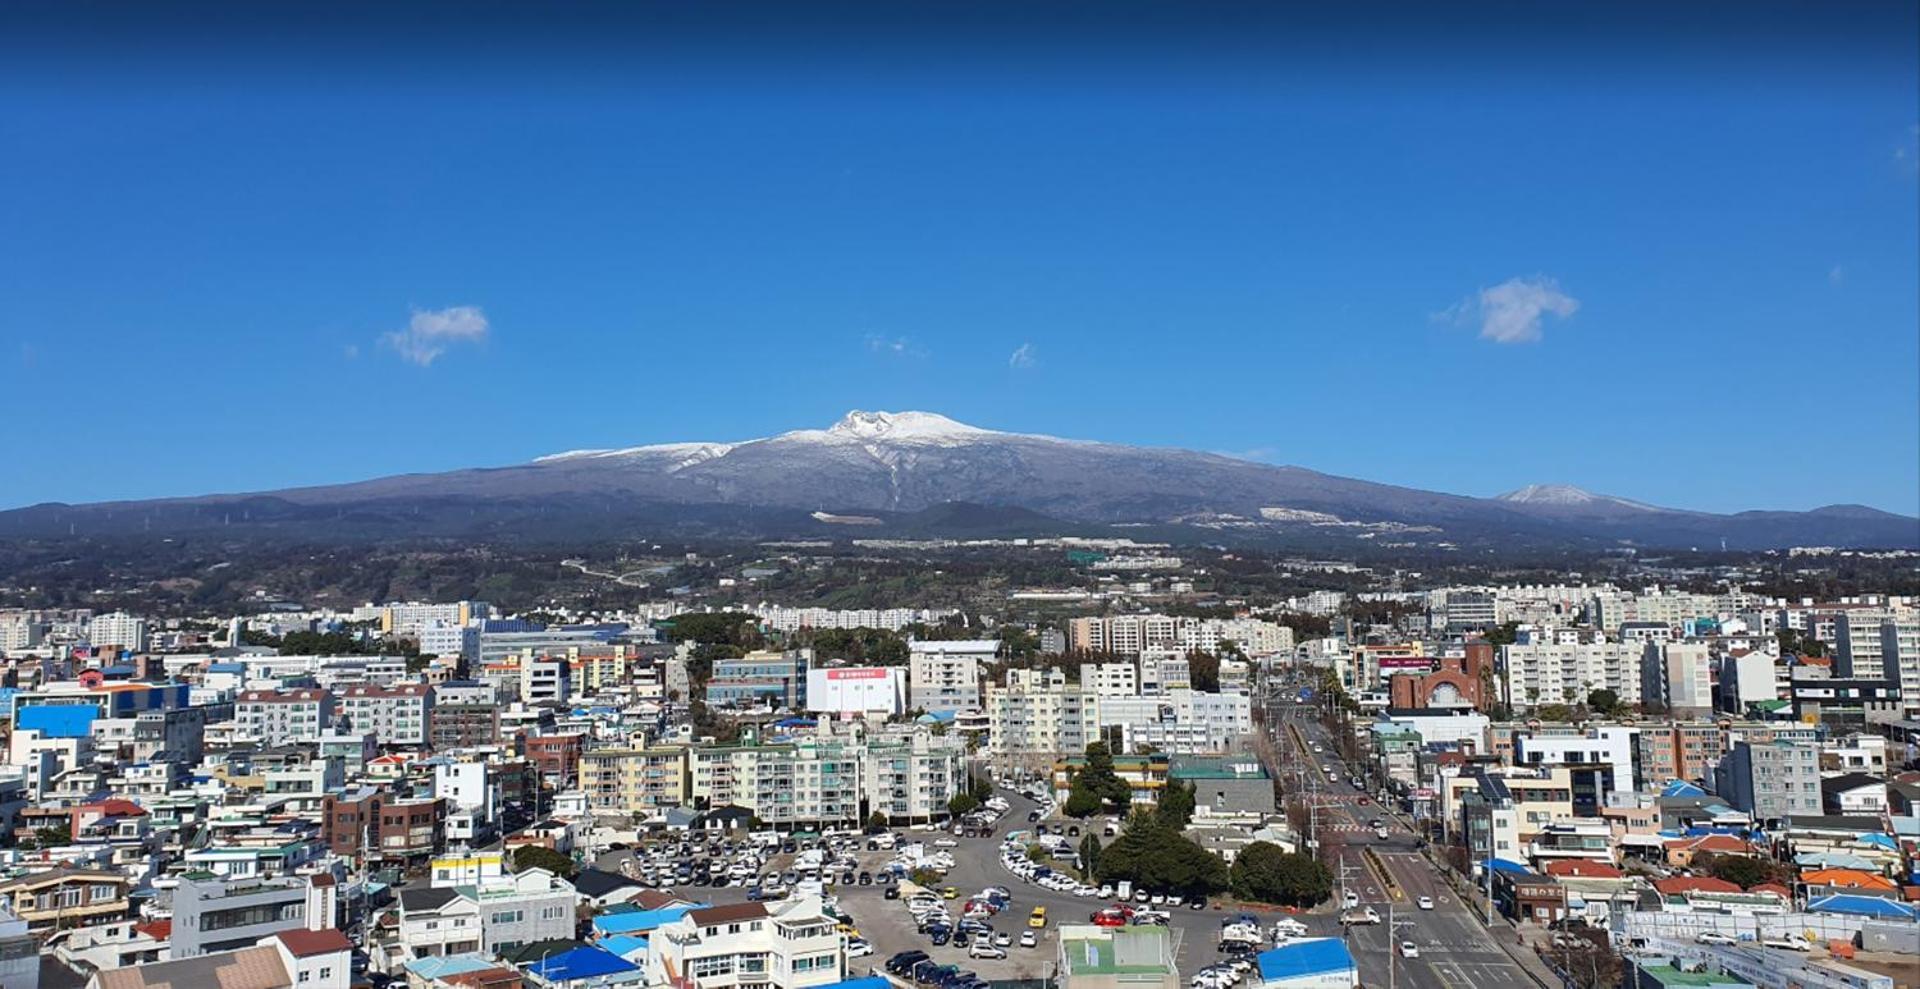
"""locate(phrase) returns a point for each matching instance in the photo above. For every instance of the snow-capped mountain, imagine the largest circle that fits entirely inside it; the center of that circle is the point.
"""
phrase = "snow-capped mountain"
(924, 473)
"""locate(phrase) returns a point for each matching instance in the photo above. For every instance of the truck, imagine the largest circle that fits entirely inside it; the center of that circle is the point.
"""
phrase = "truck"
(1124, 890)
(1359, 915)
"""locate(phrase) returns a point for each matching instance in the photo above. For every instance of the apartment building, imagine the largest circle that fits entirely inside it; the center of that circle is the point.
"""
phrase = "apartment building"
(118, 630)
(1024, 721)
(1536, 673)
(791, 943)
(1111, 679)
(1880, 645)
(812, 781)
(1678, 676)
(1611, 746)
(945, 676)
(397, 716)
(1771, 780)
(411, 831)
(410, 617)
(464, 714)
(282, 717)
(1184, 722)
(545, 680)
(66, 897)
(644, 781)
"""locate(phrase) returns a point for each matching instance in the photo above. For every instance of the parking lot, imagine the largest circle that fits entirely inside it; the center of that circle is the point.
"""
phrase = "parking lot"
(889, 927)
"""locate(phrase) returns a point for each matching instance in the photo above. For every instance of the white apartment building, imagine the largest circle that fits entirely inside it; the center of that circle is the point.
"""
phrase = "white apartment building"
(396, 715)
(791, 943)
(1026, 722)
(496, 915)
(829, 778)
(17, 634)
(1880, 644)
(945, 676)
(545, 681)
(410, 617)
(1131, 635)
(1111, 679)
(1612, 745)
(279, 717)
(443, 639)
(1163, 671)
(1562, 672)
(1184, 722)
(118, 630)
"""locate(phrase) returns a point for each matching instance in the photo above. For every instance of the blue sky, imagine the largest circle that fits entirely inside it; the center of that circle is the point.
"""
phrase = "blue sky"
(1673, 261)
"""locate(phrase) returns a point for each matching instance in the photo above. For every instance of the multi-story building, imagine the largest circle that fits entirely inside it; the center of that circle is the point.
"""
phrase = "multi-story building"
(66, 897)
(557, 756)
(411, 617)
(945, 676)
(1771, 780)
(774, 679)
(880, 691)
(1678, 676)
(1111, 679)
(444, 639)
(808, 781)
(1681, 750)
(464, 714)
(350, 819)
(1880, 645)
(497, 915)
(211, 915)
(1748, 679)
(118, 630)
(634, 781)
(1184, 722)
(1026, 722)
(396, 715)
(281, 717)
(545, 680)
(791, 943)
(411, 831)
(1537, 673)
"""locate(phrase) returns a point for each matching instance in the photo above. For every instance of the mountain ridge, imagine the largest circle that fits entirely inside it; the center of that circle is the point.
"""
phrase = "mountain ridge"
(902, 465)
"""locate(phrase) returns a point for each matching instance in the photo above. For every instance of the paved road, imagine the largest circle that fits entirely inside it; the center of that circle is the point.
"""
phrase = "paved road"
(1456, 950)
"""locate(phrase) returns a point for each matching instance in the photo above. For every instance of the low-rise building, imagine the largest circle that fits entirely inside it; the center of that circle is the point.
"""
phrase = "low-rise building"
(791, 943)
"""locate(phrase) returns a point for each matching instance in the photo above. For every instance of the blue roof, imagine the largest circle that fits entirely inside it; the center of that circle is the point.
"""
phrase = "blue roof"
(441, 966)
(59, 720)
(1509, 865)
(1864, 906)
(938, 717)
(1327, 954)
(641, 920)
(226, 667)
(870, 982)
(581, 963)
(624, 945)
(1682, 788)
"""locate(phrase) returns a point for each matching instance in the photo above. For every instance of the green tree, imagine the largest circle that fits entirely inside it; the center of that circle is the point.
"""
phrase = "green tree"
(541, 857)
(1744, 871)
(1266, 873)
(876, 821)
(1176, 804)
(1604, 701)
(1154, 856)
(1096, 787)
(962, 804)
(1503, 634)
(1090, 854)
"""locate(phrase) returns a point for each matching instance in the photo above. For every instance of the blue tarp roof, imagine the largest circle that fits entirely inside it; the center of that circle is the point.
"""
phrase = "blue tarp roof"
(938, 717)
(1509, 865)
(640, 920)
(1878, 838)
(624, 945)
(226, 667)
(1681, 788)
(1864, 906)
(581, 963)
(59, 720)
(1305, 958)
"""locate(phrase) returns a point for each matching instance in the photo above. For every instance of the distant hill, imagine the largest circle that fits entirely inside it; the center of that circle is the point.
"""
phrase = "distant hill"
(919, 475)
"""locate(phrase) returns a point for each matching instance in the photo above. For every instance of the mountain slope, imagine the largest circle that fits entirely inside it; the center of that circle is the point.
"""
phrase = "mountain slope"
(901, 466)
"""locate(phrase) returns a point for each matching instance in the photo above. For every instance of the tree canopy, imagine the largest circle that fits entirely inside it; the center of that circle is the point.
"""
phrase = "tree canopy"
(1176, 804)
(1156, 857)
(1266, 873)
(1096, 787)
(541, 857)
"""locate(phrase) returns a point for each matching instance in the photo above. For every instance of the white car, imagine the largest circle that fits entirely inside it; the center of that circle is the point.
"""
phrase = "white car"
(981, 949)
(946, 843)
(1785, 943)
(1409, 950)
(1003, 940)
(1425, 902)
(1713, 937)
(1105, 892)
(1028, 939)
(858, 948)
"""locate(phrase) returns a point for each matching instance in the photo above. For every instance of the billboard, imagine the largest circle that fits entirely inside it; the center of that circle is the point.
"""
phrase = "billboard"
(858, 690)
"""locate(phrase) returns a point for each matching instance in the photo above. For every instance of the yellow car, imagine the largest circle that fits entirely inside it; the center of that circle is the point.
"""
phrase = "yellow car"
(949, 893)
(1038, 918)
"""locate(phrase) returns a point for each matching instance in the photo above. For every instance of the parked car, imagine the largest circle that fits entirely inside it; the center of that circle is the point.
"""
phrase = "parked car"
(982, 949)
(1713, 937)
(1409, 950)
(1028, 939)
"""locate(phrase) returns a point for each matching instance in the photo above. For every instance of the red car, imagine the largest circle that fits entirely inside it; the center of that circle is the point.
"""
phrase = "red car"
(1365, 800)
(1113, 916)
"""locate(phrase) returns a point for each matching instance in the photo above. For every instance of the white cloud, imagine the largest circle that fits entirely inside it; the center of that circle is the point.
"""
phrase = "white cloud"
(431, 331)
(1836, 274)
(894, 346)
(1512, 311)
(1023, 357)
(352, 351)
